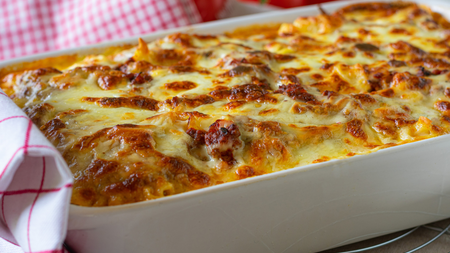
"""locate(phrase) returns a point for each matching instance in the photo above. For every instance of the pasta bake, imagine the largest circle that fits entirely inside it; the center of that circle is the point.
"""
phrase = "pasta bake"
(190, 111)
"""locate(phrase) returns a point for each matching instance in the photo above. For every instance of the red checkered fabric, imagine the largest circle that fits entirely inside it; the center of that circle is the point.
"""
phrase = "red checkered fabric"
(29, 27)
(35, 186)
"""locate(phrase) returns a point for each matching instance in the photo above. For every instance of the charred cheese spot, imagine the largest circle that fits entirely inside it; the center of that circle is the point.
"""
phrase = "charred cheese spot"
(387, 93)
(289, 79)
(190, 102)
(405, 47)
(237, 71)
(354, 128)
(136, 102)
(269, 128)
(443, 106)
(51, 128)
(283, 57)
(364, 98)
(247, 92)
(245, 172)
(399, 31)
(294, 71)
(46, 71)
(197, 135)
(108, 82)
(39, 113)
(335, 83)
(297, 92)
(70, 113)
(268, 112)
(140, 78)
(385, 129)
(317, 77)
(406, 81)
(430, 62)
(447, 92)
(222, 139)
(348, 54)
(344, 39)
(136, 67)
(329, 93)
(396, 64)
(182, 39)
(99, 168)
(233, 105)
(178, 167)
(321, 160)
(180, 85)
(366, 47)
(264, 150)
(168, 56)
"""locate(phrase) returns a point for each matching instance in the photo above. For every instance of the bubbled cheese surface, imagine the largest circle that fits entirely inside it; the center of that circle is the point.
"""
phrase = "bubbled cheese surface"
(191, 111)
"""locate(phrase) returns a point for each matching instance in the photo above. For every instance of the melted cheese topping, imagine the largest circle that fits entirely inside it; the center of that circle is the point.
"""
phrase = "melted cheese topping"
(190, 111)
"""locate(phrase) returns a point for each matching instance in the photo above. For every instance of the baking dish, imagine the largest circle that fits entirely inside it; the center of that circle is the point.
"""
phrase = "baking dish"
(273, 210)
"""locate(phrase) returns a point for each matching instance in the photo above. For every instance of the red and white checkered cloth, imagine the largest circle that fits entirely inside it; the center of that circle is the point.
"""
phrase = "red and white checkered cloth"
(34, 26)
(35, 182)
(35, 186)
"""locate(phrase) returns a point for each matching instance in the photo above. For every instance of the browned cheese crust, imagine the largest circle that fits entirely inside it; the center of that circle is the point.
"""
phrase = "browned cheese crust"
(191, 111)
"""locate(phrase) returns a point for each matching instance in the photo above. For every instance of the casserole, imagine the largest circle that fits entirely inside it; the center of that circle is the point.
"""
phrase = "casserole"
(221, 208)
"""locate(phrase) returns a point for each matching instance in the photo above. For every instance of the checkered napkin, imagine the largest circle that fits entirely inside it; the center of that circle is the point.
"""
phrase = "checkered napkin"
(35, 182)
(35, 186)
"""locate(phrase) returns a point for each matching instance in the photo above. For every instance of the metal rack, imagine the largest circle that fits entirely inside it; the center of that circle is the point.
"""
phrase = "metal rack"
(440, 230)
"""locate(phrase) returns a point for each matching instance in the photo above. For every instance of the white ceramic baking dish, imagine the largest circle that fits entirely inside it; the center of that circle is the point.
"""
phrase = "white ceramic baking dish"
(305, 209)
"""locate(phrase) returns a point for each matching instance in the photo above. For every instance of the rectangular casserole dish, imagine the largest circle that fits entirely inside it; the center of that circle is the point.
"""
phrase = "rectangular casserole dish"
(304, 209)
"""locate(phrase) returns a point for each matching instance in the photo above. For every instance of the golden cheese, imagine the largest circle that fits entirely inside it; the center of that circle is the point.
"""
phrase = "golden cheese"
(189, 111)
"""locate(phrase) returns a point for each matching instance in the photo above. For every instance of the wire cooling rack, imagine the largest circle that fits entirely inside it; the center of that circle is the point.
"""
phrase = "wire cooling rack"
(441, 231)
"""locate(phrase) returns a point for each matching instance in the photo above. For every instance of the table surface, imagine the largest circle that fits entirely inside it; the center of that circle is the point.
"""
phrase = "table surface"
(413, 240)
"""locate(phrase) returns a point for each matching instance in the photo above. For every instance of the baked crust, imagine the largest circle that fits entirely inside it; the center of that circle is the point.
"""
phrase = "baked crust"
(191, 111)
